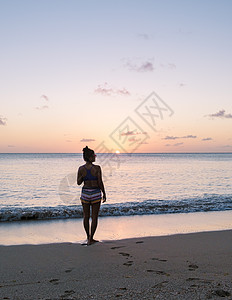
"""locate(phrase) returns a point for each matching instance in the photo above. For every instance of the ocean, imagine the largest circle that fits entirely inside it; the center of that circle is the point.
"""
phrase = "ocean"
(39, 186)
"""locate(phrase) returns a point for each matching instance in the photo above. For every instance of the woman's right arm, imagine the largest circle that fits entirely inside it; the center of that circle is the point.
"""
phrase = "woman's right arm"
(100, 184)
(79, 176)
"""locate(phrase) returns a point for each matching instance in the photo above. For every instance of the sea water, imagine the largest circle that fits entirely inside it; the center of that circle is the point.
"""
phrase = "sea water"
(43, 186)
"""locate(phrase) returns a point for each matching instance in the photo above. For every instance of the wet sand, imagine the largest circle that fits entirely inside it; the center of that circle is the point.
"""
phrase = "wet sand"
(113, 228)
(185, 266)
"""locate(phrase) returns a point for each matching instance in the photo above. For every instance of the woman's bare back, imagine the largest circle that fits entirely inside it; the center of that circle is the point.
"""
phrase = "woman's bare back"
(94, 170)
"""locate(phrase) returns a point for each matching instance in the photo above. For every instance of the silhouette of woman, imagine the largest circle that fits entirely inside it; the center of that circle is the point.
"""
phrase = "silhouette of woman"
(91, 193)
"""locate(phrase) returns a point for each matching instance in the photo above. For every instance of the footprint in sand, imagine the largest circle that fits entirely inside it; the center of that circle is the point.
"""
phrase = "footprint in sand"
(117, 247)
(68, 271)
(54, 281)
(192, 279)
(67, 293)
(125, 254)
(193, 267)
(158, 272)
(221, 293)
(129, 263)
(155, 258)
(139, 242)
(160, 284)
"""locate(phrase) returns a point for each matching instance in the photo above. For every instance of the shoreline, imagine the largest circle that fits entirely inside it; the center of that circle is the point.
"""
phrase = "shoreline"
(113, 228)
(181, 266)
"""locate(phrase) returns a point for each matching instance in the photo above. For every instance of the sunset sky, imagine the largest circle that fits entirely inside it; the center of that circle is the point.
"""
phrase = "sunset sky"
(74, 73)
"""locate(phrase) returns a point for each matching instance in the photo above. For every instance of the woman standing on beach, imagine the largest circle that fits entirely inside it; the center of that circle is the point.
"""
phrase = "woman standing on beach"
(91, 195)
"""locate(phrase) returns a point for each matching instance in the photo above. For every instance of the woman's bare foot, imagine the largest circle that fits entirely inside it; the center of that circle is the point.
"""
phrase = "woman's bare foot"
(85, 242)
(92, 241)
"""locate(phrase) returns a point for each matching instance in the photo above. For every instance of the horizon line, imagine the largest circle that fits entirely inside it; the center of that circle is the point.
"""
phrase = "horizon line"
(117, 153)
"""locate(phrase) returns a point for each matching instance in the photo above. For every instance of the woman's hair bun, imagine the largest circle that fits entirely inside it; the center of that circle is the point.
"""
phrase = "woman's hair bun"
(87, 153)
(86, 148)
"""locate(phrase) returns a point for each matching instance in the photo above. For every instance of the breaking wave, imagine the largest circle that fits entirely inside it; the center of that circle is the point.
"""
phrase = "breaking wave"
(199, 204)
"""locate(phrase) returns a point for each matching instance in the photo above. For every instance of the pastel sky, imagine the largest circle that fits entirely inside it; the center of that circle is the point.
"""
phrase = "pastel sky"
(73, 73)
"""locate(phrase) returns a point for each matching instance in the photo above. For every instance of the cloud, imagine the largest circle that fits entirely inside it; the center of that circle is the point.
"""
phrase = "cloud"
(3, 121)
(68, 141)
(11, 146)
(105, 89)
(139, 64)
(132, 133)
(146, 66)
(171, 137)
(182, 84)
(180, 137)
(143, 143)
(44, 97)
(143, 36)
(128, 133)
(207, 139)
(87, 140)
(227, 146)
(42, 107)
(122, 91)
(188, 137)
(221, 114)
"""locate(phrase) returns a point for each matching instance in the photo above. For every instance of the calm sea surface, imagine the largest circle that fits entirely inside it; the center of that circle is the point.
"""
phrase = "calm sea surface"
(43, 186)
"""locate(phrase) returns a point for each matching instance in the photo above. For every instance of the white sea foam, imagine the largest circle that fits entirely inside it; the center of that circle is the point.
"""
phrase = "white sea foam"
(204, 204)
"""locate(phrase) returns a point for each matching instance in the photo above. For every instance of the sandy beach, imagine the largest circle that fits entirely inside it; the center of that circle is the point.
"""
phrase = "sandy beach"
(185, 266)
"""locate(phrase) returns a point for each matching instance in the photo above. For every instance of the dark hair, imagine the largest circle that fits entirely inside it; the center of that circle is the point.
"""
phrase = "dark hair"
(87, 153)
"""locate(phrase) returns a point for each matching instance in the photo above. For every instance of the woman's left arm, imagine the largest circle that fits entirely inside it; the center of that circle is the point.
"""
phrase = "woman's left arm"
(79, 177)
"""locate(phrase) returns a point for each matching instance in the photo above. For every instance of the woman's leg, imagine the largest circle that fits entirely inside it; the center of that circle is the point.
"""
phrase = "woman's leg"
(95, 211)
(86, 216)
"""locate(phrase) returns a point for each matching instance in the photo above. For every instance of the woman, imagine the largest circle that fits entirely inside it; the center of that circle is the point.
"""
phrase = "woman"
(91, 175)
